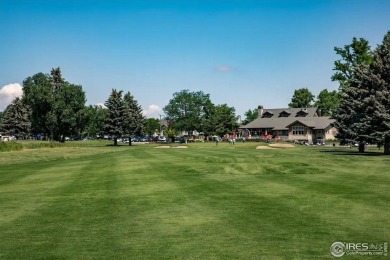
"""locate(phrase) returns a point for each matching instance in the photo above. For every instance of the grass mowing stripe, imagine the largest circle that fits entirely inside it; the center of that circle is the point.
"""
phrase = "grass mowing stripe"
(206, 201)
(363, 210)
(78, 212)
(243, 217)
(30, 191)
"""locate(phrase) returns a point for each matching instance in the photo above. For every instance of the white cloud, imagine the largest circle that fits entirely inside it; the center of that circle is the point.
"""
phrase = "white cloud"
(152, 111)
(8, 93)
(101, 105)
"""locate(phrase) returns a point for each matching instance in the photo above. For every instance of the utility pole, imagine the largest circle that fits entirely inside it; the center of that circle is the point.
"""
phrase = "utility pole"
(160, 124)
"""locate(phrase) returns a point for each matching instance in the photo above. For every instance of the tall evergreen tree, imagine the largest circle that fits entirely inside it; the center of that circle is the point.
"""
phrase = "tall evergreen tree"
(350, 113)
(375, 87)
(358, 53)
(16, 120)
(365, 107)
(134, 119)
(116, 115)
(1, 119)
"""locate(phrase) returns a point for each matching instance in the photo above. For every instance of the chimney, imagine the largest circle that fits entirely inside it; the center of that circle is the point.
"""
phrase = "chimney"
(260, 111)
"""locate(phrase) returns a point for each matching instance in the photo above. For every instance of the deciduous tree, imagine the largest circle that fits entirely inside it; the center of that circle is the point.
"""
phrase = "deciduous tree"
(250, 115)
(188, 110)
(94, 120)
(224, 120)
(170, 134)
(358, 52)
(56, 104)
(301, 98)
(328, 102)
(151, 125)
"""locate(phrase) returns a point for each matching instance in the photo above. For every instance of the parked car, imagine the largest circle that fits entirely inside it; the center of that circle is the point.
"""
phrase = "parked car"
(144, 139)
(153, 139)
(136, 139)
(180, 139)
(162, 138)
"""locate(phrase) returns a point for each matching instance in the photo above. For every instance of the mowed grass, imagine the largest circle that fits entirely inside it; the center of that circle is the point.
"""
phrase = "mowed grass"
(204, 202)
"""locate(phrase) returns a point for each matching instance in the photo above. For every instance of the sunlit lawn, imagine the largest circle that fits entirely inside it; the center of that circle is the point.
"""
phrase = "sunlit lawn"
(207, 201)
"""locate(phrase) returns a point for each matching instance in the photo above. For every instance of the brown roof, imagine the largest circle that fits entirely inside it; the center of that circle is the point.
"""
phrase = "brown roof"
(310, 111)
(282, 123)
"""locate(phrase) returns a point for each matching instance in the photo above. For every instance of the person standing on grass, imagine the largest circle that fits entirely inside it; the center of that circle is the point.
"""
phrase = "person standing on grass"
(216, 140)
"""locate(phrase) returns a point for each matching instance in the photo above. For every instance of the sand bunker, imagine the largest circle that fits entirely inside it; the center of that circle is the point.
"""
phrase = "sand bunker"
(263, 147)
(167, 146)
(282, 145)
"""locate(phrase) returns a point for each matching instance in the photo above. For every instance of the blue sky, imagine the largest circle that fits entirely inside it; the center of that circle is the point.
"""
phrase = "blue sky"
(243, 53)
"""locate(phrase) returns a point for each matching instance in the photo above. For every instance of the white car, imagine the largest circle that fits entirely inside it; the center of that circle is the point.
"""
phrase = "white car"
(162, 139)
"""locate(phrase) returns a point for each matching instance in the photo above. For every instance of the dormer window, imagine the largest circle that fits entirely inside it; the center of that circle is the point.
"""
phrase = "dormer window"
(284, 114)
(302, 113)
(267, 114)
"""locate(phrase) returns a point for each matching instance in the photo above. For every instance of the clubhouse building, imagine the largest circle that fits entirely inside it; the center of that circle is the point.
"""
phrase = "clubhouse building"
(300, 124)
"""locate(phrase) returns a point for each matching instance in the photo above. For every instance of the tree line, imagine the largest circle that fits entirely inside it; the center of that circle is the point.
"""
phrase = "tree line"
(54, 109)
(361, 106)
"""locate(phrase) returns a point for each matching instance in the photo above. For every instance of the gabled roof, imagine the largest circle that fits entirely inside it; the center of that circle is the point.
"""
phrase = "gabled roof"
(310, 111)
(275, 122)
(303, 122)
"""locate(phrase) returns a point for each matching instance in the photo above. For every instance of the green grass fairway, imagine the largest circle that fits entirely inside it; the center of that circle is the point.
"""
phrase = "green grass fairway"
(204, 202)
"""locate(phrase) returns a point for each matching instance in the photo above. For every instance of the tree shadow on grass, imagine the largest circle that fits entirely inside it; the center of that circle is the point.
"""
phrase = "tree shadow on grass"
(353, 152)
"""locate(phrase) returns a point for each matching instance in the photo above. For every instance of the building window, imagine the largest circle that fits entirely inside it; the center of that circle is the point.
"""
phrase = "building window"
(267, 115)
(298, 130)
(301, 114)
(284, 114)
